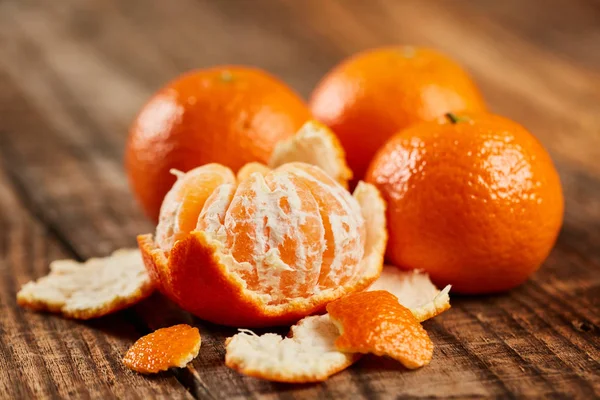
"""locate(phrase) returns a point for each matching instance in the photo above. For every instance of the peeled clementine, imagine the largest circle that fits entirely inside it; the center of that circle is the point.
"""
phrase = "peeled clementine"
(473, 199)
(267, 248)
(371, 96)
(230, 115)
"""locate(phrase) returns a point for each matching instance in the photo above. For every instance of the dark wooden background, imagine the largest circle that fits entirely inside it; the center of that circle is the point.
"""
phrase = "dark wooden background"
(73, 73)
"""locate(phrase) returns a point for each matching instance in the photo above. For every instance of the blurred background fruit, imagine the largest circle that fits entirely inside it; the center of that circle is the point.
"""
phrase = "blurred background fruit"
(230, 115)
(474, 200)
(372, 95)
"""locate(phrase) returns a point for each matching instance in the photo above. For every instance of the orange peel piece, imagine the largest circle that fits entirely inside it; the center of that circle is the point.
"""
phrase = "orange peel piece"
(314, 144)
(375, 322)
(273, 249)
(175, 346)
(92, 289)
(308, 354)
(414, 291)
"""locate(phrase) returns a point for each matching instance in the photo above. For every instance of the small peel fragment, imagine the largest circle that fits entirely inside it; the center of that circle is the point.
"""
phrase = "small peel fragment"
(414, 291)
(314, 144)
(92, 289)
(165, 348)
(375, 322)
(308, 354)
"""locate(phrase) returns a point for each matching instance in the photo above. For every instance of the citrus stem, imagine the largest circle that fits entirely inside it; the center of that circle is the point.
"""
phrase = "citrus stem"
(453, 118)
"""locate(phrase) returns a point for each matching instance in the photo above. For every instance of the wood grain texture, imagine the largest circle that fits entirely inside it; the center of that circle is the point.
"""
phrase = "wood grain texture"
(72, 76)
(53, 357)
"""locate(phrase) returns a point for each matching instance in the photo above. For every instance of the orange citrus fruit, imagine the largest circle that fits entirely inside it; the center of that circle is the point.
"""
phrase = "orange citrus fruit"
(164, 348)
(371, 96)
(375, 322)
(473, 199)
(230, 115)
(268, 249)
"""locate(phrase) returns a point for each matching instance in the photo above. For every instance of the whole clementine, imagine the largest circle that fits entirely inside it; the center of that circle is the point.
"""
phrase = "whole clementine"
(230, 115)
(474, 200)
(373, 95)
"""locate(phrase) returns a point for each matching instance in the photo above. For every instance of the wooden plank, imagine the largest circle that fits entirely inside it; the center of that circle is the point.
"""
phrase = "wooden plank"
(64, 131)
(51, 357)
(566, 28)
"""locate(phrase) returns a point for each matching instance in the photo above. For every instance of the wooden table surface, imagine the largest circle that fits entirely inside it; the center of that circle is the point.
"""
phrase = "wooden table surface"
(73, 74)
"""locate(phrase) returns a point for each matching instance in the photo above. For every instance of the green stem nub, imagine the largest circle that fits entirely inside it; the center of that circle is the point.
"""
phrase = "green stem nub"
(455, 119)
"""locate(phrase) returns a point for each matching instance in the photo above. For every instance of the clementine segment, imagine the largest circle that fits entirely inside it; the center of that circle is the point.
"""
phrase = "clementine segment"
(178, 217)
(371, 96)
(250, 168)
(474, 200)
(230, 115)
(375, 322)
(164, 348)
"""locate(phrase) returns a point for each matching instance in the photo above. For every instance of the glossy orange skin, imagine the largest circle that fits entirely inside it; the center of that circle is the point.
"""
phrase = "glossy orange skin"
(229, 115)
(375, 322)
(373, 95)
(163, 349)
(477, 204)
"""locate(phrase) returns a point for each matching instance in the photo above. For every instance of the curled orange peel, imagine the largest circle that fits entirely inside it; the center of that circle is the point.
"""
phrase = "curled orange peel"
(375, 322)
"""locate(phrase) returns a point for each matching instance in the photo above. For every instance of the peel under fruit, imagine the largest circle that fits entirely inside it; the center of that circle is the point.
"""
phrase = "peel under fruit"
(375, 322)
